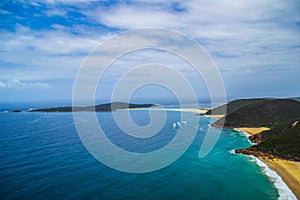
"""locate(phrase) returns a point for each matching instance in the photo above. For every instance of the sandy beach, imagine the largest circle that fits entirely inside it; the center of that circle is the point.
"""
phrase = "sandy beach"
(193, 110)
(216, 116)
(252, 131)
(289, 171)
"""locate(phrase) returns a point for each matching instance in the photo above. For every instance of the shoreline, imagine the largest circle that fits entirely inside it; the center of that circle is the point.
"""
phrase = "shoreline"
(216, 116)
(197, 111)
(252, 130)
(287, 171)
(284, 191)
(192, 110)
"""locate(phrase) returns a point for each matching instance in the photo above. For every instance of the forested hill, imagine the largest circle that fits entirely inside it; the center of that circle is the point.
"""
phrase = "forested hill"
(233, 106)
(263, 112)
(282, 141)
(281, 115)
(108, 107)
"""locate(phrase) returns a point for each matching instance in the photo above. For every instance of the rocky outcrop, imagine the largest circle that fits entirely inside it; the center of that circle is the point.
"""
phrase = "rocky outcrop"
(256, 153)
(283, 141)
(280, 115)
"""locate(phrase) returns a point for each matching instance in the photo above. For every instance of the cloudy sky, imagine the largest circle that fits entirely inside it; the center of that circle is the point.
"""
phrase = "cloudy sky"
(255, 44)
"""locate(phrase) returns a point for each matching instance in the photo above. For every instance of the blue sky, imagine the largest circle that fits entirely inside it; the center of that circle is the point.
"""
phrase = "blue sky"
(255, 44)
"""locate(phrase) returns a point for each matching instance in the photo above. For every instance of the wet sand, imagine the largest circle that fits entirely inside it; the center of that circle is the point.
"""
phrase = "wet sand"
(289, 171)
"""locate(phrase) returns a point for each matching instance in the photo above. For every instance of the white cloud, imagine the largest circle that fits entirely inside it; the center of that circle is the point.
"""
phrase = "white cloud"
(17, 84)
(47, 42)
(234, 33)
(56, 12)
(2, 85)
(39, 55)
(241, 36)
(5, 12)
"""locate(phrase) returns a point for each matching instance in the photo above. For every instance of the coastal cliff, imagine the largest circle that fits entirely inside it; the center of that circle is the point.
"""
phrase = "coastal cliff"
(282, 116)
(280, 142)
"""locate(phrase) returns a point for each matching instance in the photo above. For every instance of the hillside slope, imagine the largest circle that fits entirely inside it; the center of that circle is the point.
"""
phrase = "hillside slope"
(268, 113)
(281, 115)
(282, 142)
(233, 106)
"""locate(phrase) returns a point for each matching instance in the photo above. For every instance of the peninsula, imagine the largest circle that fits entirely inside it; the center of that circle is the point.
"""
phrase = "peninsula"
(274, 128)
(107, 107)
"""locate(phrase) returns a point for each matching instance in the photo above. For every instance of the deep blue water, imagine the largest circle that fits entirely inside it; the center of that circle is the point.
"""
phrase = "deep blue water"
(42, 157)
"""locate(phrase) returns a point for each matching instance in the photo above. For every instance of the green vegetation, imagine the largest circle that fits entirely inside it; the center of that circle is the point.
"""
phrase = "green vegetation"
(233, 106)
(267, 113)
(281, 115)
(283, 142)
(108, 107)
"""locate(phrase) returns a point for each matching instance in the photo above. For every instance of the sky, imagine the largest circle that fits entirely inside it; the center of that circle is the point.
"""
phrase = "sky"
(254, 44)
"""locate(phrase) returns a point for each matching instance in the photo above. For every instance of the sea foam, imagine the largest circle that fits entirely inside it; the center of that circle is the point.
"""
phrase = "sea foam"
(232, 151)
(244, 133)
(283, 190)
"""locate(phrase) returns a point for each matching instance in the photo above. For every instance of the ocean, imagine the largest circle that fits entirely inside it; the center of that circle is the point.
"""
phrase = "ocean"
(42, 157)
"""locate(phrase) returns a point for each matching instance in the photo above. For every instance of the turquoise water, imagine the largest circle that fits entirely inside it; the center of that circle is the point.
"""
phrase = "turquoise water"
(42, 157)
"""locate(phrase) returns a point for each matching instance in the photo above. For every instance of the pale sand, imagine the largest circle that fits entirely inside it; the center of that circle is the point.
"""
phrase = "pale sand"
(289, 171)
(193, 110)
(252, 131)
(216, 116)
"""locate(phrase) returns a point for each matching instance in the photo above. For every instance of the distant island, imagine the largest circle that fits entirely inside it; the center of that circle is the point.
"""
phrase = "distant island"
(273, 125)
(276, 123)
(107, 107)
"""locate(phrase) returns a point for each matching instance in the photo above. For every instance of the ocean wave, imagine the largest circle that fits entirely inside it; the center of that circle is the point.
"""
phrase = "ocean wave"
(232, 151)
(184, 123)
(283, 190)
(179, 124)
(174, 125)
(247, 135)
